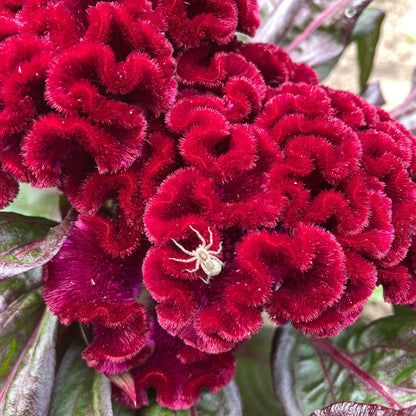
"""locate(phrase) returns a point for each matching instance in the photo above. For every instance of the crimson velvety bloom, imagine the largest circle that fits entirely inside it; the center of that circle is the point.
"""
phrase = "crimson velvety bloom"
(336, 182)
(177, 372)
(190, 22)
(9, 188)
(77, 84)
(214, 180)
(85, 284)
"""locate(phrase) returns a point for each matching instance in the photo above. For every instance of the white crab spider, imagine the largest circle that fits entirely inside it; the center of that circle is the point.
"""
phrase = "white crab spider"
(203, 256)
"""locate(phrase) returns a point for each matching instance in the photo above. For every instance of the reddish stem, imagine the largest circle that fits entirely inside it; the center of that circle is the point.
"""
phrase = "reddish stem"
(325, 15)
(343, 359)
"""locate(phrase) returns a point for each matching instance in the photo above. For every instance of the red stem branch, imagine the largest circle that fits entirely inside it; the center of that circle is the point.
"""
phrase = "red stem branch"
(325, 15)
(343, 359)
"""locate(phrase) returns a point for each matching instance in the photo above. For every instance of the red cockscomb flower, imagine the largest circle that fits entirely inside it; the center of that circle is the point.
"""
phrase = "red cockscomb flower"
(215, 180)
(84, 284)
(190, 22)
(177, 372)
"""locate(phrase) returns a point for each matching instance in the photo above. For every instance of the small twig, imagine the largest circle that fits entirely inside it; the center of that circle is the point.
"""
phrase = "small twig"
(84, 335)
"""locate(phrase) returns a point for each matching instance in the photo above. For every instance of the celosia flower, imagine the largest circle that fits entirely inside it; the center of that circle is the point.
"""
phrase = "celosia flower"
(330, 180)
(190, 22)
(9, 188)
(217, 175)
(177, 372)
(101, 69)
(84, 284)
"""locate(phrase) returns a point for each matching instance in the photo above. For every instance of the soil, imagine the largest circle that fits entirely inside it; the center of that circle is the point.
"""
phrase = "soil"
(395, 58)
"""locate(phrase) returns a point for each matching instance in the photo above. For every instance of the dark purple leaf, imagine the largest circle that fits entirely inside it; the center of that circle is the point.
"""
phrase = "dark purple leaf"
(360, 409)
(29, 242)
(373, 94)
(12, 289)
(369, 364)
(278, 23)
(329, 33)
(18, 318)
(28, 386)
(313, 32)
(79, 389)
(406, 112)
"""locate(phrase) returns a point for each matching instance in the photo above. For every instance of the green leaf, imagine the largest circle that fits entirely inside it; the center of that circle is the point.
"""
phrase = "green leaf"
(36, 202)
(29, 383)
(359, 409)
(155, 410)
(120, 410)
(324, 70)
(29, 242)
(80, 390)
(253, 375)
(18, 318)
(372, 363)
(367, 33)
(226, 402)
(12, 289)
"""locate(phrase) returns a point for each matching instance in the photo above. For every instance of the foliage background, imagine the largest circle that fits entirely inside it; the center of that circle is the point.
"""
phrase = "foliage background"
(395, 57)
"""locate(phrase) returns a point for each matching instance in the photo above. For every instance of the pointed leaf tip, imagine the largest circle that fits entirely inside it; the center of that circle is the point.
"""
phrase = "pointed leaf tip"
(126, 383)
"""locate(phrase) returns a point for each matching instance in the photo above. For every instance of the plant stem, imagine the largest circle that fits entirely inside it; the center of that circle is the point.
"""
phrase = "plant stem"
(322, 18)
(344, 360)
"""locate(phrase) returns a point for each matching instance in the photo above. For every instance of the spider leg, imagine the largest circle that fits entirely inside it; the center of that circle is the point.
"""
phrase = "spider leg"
(183, 260)
(204, 243)
(182, 248)
(210, 239)
(196, 267)
(216, 252)
(206, 281)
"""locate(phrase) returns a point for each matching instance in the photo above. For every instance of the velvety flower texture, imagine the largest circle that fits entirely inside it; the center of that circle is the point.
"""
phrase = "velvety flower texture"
(77, 84)
(177, 372)
(190, 22)
(85, 284)
(215, 180)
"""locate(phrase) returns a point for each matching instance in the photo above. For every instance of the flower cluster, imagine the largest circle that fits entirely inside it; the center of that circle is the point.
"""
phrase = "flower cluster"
(214, 181)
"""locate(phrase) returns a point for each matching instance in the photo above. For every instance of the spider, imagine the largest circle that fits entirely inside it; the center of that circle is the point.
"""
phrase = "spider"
(203, 257)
